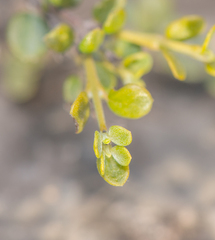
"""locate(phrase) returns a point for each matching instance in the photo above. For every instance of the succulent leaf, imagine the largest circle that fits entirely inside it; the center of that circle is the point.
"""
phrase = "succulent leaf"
(130, 101)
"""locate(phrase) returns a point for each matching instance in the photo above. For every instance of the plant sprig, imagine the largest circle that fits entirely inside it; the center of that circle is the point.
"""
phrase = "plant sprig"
(131, 63)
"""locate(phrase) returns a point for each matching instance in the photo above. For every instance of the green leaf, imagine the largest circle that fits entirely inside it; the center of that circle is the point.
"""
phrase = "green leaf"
(60, 38)
(64, 3)
(21, 79)
(210, 68)
(72, 87)
(121, 155)
(185, 28)
(106, 77)
(120, 136)
(176, 67)
(123, 49)
(138, 64)
(113, 173)
(92, 41)
(97, 146)
(102, 10)
(130, 101)
(208, 39)
(80, 111)
(25, 36)
(114, 22)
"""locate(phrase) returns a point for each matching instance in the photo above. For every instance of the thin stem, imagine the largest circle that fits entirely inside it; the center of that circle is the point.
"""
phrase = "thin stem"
(95, 88)
(155, 42)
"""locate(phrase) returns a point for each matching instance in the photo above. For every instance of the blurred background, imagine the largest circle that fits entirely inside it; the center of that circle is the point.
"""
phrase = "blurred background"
(49, 185)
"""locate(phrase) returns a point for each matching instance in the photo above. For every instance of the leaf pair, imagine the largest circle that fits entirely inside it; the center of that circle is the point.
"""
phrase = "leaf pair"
(112, 162)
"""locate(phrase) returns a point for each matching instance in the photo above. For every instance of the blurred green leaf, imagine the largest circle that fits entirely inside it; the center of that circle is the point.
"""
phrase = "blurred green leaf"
(106, 77)
(138, 64)
(25, 36)
(121, 155)
(64, 3)
(60, 38)
(97, 146)
(114, 22)
(177, 69)
(114, 173)
(21, 79)
(72, 87)
(120, 136)
(92, 41)
(80, 111)
(210, 68)
(185, 28)
(102, 10)
(122, 48)
(130, 101)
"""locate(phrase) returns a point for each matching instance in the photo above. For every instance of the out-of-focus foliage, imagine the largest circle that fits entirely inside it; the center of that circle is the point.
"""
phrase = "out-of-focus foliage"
(60, 38)
(25, 36)
(185, 28)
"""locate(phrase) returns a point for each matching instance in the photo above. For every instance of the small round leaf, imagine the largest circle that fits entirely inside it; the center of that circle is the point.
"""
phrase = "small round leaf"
(25, 36)
(114, 173)
(60, 38)
(120, 136)
(185, 28)
(92, 41)
(121, 155)
(72, 87)
(80, 111)
(138, 64)
(130, 101)
(115, 21)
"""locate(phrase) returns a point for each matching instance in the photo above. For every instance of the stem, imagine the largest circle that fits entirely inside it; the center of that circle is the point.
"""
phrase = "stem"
(95, 87)
(154, 42)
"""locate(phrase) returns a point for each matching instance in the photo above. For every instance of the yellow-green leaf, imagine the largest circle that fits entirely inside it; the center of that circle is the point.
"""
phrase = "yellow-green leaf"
(210, 68)
(120, 136)
(60, 38)
(72, 87)
(80, 111)
(115, 21)
(113, 173)
(130, 101)
(97, 146)
(138, 64)
(92, 41)
(185, 28)
(121, 155)
(176, 67)
(25, 36)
